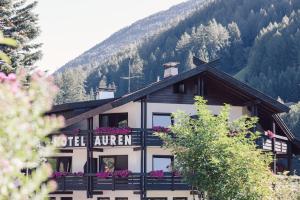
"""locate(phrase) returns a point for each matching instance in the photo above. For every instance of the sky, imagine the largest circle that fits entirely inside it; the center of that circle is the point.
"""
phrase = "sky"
(70, 27)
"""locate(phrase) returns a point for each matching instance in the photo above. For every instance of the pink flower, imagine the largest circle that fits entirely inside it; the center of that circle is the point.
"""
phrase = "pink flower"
(122, 173)
(103, 175)
(11, 77)
(76, 131)
(157, 174)
(270, 134)
(112, 130)
(161, 129)
(2, 76)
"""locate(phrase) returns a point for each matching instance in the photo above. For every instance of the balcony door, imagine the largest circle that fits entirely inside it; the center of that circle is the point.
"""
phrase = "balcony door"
(162, 162)
(113, 120)
(113, 163)
(162, 120)
(60, 164)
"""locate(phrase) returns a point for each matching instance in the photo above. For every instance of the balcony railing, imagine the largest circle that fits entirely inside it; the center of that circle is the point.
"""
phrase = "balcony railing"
(280, 146)
(132, 182)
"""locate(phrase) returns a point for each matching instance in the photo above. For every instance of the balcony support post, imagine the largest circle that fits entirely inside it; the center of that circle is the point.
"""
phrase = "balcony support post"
(254, 113)
(273, 147)
(142, 150)
(200, 85)
(89, 162)
(145, 148)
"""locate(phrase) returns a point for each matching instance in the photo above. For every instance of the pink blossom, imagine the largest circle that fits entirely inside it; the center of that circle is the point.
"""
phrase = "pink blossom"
(103, 175)
(161, 129)
(157, 174)
(11, 77)
(122, 173)
(112, 130)
(2, 76)
(270, 134)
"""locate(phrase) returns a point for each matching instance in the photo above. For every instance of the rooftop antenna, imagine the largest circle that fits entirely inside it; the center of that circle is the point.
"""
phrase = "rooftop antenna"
(129, 77)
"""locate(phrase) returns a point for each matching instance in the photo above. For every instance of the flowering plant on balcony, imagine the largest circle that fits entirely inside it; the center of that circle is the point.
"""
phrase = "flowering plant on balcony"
(176, 173)
(112, 130)
(270, 134)
(78, 173)
(103, 175)
(122, 173)
(157, 174)
(160, 129)
(76, 131)
(61, 174)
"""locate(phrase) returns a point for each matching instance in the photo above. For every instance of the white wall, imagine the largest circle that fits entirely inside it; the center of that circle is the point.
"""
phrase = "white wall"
(134, 113)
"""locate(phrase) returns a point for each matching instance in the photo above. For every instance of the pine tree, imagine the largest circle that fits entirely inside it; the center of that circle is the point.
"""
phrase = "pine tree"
(20, 23)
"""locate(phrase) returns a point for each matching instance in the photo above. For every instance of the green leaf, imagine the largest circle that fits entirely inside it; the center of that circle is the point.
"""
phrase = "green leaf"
(5, 58)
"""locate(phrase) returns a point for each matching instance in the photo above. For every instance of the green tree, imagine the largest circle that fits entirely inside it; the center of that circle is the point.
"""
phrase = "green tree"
(292, 119)
(19, 22)
(71, 84)
(23, 135)
(219, 156)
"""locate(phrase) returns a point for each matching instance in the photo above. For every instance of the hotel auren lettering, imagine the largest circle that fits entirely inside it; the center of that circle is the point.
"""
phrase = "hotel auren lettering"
(98, 140)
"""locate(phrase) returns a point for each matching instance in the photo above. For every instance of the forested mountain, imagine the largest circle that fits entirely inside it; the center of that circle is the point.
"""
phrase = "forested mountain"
(258, 41)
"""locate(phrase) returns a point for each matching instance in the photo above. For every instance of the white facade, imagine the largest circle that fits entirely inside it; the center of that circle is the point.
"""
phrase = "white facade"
(79, 155)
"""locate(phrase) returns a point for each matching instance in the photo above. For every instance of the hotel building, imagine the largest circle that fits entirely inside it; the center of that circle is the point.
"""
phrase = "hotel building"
(101, 158)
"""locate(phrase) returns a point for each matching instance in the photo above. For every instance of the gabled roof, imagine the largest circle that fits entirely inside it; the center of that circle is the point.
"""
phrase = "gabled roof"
(202, 67)
(70, 110)
(278, 120)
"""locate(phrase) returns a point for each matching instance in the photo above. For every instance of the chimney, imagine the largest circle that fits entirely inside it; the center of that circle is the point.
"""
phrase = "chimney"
(105, 92)
(170, 69)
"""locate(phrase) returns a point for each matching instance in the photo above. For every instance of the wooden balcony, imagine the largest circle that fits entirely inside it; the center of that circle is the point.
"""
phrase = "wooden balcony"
(132, 182)
(168, 182)
(280, 146)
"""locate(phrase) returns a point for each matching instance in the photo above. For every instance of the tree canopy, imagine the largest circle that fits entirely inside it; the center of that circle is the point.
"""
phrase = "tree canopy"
(219, 156)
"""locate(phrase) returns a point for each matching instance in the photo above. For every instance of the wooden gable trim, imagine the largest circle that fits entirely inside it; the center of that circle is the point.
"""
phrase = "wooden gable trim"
(88, 114)
(241, 87)
(278, 120)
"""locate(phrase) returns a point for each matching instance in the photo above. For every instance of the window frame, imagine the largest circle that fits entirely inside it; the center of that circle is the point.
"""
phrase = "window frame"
(110, 156)
(64, 198)
(162, 156)
(177, 89)
(162, 114)
(58, 158)
(111, 114)
(121, 198)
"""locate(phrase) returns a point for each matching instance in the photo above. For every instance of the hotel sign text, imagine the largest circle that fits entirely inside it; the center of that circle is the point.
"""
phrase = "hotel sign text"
(98, 140)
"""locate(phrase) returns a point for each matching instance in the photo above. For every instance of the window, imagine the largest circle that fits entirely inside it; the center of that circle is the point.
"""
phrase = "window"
(121, 198)
(94, 166)
(162, 119)
(179, 88)
(112, 163)
(61, 164)
(103, 198)
(66, 198)
(162, 162)
(157, 198)
(180, 198)
(113, 120)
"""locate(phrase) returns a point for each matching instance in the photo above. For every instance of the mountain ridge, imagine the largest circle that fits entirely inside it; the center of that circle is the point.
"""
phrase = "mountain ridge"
(117, 42)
